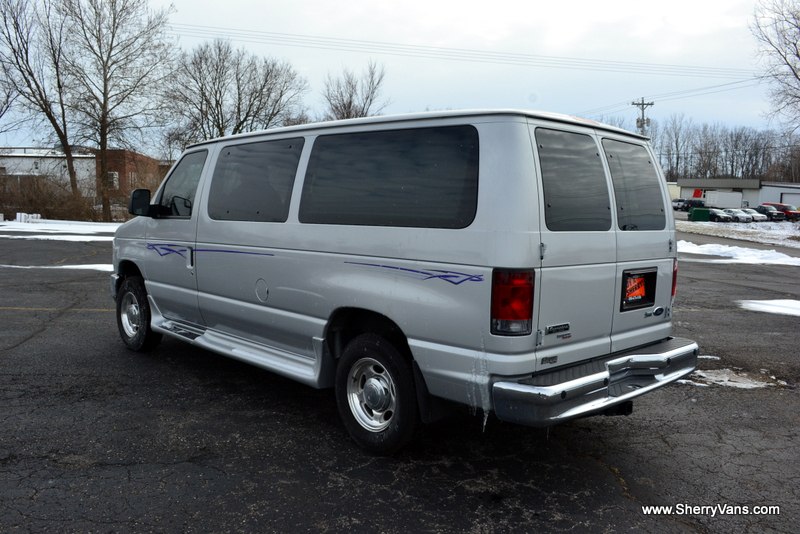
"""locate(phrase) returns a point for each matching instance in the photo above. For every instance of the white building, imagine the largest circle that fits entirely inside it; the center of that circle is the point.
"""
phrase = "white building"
(780, 192)
(25, 162)
(751, 192)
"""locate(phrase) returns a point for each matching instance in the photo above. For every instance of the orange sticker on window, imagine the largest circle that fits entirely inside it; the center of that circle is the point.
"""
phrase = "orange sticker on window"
(635, 289)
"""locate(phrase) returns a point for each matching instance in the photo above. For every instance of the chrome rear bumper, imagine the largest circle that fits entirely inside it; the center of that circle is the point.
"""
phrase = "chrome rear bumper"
(558, 396)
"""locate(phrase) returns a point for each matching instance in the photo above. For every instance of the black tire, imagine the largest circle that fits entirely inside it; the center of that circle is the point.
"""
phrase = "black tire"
(375, 394)
(133, 316)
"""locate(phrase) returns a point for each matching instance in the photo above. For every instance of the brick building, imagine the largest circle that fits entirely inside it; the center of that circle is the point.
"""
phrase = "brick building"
(128, 170)
(34, 179)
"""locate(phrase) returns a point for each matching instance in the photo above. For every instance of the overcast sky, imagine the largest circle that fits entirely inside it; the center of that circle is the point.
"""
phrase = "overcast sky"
(589, 58)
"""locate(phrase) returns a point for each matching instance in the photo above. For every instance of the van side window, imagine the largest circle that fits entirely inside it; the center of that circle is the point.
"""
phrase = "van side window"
(177, 197)
(253, 182)
(576, 195)
(640, 205)
(423, 177)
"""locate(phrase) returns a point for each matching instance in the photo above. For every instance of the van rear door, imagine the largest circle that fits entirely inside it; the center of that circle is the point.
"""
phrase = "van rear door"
(578, 247)
(645, 244)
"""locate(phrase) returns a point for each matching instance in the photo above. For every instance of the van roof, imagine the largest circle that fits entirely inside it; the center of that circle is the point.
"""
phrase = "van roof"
(391, 119)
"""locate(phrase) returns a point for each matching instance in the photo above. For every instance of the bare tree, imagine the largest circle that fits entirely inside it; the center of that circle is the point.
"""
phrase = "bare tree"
(8, 95)
(777, 28)
(676, 146)
(32, 55)
(655, 133)
(617, 121)
(787, 166)
(221, 91)
(707, 151)
(746, 152)
(120, 57)
(349, 96)
(89, 68)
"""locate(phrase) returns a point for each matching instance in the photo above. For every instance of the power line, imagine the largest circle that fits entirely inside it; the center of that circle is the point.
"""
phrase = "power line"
(456, 54)
(675, 95)
(729, 86)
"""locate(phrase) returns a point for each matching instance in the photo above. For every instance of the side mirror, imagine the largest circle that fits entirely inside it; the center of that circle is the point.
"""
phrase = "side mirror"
(140, 203)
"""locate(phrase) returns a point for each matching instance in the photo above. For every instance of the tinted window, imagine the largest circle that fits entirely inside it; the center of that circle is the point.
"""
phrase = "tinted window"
(177, 197)
(575, 189)
(253, 182)
(425, 177)
(639, 202)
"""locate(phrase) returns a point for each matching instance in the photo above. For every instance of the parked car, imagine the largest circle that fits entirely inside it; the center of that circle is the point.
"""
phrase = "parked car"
(791, 212)
(771, 213)
(757, 217)
(716, 215)
(693, 203)
(414, 261)
(739, 215)
(677, 203)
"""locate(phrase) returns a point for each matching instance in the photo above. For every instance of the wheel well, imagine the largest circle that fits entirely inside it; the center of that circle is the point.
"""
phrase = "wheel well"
(347, 323)
(125, 270)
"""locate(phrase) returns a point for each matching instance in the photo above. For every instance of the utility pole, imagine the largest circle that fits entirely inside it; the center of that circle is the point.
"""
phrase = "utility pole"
(642, 122)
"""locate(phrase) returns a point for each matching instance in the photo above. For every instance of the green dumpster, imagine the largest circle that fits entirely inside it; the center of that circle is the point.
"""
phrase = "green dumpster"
(699, 214)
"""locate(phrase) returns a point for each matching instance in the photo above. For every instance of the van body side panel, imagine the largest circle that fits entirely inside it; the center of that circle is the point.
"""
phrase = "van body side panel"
(283, 298)
(247, 292)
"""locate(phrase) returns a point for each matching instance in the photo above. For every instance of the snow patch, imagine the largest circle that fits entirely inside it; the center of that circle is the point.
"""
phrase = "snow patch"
(688, 382)
(729, 378)
(780, 307)
(738, 254)
(786, 234)
(51, 230)
(64, 227)
(63, 237)
(90, 267)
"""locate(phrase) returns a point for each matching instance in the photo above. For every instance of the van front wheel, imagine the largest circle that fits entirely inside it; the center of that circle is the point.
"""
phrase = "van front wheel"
(133, 316)
(375, 394)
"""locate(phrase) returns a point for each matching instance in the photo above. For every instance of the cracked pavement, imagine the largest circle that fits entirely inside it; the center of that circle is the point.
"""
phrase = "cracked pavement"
(97, 438)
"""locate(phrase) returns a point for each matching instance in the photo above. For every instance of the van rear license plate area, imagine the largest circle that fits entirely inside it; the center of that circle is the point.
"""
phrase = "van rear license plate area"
(638, 289)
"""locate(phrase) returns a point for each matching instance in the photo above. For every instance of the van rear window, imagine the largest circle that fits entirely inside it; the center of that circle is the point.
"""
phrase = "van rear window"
(421, 177)
(576, 195)
(640, 204)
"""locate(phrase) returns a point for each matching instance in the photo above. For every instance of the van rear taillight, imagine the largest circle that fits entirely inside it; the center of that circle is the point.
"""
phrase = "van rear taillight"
(512, 302)
(674, 277)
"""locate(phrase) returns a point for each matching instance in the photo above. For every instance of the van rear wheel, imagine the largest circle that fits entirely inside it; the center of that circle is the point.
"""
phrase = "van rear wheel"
(133, 316)
(375, 394)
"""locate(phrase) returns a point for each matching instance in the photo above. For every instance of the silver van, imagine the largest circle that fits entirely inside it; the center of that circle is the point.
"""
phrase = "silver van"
(515, 262)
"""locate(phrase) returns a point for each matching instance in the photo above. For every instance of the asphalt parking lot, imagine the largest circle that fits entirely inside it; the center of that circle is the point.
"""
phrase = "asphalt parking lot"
(98, 439)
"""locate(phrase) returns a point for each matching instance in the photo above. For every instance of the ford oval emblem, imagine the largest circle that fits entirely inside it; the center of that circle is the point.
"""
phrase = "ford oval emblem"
(658, 311)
